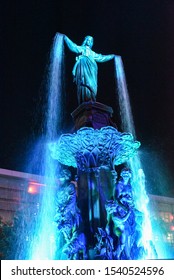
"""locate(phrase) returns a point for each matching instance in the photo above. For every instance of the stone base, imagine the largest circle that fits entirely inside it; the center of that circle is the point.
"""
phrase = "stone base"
(92, 114)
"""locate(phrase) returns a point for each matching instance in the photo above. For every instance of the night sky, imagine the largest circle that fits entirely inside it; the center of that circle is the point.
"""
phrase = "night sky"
(141, 31)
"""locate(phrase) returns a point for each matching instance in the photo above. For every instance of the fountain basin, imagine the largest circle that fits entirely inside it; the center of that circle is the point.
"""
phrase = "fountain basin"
(90, 148)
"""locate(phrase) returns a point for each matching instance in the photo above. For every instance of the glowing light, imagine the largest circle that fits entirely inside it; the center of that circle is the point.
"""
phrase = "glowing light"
(172, 228)
(32, 190)
(34, 187)
(171, 217)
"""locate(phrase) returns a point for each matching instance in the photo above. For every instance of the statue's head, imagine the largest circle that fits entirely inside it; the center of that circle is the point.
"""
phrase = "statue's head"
(126, 173)
(88, 41)
(65, 175)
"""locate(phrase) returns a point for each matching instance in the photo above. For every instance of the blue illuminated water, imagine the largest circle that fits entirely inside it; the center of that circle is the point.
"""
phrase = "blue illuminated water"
(44, 242)
(138, 180)
(43, 245)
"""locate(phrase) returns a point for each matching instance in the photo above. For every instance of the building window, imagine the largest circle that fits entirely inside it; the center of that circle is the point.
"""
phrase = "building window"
(166, 216)
(170, 238)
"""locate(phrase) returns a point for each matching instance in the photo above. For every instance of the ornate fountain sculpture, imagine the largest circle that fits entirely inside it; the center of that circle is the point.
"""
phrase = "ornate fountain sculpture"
(98, 220)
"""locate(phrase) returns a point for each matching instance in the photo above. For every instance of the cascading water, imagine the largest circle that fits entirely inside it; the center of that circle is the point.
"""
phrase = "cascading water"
(138, 182)
(43, 244)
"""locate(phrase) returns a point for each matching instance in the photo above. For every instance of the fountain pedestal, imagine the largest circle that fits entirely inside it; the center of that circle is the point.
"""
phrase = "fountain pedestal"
(92, 114)
(94, 149)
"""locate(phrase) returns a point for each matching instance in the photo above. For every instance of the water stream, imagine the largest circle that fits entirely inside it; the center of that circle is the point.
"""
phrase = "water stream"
(138, 180)
(43, 245)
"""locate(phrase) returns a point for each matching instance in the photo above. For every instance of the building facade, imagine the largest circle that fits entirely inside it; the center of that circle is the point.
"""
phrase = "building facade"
(21, 191)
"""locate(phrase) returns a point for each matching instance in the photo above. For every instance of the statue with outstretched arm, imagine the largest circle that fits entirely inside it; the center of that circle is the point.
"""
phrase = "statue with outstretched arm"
(85, 69)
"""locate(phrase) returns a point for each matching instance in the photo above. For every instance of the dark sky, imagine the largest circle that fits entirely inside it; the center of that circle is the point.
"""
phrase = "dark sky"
(141, 31)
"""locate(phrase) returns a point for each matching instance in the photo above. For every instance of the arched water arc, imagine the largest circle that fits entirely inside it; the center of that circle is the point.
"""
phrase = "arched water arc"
(43, 245)
(127, 123)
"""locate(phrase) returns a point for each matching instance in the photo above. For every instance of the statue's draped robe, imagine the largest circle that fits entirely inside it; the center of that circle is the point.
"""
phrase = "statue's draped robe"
(85, 70)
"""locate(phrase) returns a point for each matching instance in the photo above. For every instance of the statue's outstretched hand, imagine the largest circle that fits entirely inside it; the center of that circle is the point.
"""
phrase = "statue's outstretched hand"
(117, 56)
(61, 34)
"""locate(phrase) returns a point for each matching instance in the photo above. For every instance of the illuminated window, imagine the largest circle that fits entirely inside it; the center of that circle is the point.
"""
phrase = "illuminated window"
(170, 238)
(166, 216)
(34, 187)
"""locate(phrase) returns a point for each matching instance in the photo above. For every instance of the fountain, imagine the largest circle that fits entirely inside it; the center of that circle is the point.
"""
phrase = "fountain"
(102, 213)
(99, 216)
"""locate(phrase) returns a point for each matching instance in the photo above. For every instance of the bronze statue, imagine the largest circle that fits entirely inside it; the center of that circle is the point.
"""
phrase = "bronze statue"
(85, 69)
(123, 190)
(68, 219)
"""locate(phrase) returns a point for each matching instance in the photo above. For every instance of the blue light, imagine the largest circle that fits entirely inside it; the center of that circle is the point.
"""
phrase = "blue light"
(43, 245)
(138, 180)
